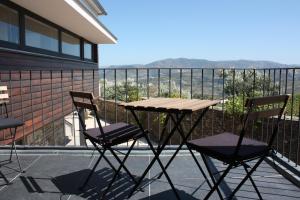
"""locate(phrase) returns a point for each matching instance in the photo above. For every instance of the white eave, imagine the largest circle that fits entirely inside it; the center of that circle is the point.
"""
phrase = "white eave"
(71, 16)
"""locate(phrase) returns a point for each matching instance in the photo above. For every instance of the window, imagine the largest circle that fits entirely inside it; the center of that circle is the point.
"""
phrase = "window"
(70, 44)
(40, 35)
(9, 25)
(87, 50)
(23, 30)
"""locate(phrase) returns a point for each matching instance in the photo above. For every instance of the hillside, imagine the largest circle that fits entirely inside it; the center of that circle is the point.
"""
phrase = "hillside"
(202, 63)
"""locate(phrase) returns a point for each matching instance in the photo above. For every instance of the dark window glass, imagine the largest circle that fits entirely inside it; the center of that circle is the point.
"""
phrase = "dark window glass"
(70, 44)
(9, 24)
(87, 50)
(40, 35)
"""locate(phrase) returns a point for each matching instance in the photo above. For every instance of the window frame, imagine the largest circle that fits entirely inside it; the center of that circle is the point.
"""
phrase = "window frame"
(22, 12)
(80, 44)
(92, 51)
(7, 43)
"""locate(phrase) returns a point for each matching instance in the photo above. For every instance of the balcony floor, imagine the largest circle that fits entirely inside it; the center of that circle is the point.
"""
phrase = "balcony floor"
(56, 174)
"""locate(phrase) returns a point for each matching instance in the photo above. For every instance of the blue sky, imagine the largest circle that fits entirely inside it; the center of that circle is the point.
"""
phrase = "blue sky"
(149, 30)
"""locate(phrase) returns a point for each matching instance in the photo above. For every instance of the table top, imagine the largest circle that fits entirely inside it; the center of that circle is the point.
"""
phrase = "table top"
(175, 105)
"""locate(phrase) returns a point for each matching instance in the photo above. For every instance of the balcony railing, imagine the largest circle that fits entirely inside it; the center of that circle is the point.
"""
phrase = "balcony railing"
(233, 86)
(41, 99)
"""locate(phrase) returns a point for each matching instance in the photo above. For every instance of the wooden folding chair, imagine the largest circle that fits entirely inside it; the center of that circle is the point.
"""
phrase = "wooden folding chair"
(104, 138)
(7, 122)
(237, 150)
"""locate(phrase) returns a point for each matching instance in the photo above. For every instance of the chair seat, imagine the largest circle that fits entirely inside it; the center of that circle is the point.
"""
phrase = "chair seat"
(114, 134)
(10, 123)
(222, 147)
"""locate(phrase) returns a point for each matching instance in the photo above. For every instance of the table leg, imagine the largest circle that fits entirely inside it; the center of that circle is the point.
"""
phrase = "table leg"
(184, 138)
(163, 130)
(156, 155)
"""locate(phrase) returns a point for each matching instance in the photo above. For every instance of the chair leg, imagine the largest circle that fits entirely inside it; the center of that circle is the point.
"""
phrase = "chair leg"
(118, 171)
(13, 147)
(253, 183)
(121, 164)
(104, 157)
(247, 176)
(91, 172)
(216, 185)
(211, 175)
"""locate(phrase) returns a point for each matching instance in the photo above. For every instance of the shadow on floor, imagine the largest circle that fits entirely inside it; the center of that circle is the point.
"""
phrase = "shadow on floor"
(169, 194)
(69, 184)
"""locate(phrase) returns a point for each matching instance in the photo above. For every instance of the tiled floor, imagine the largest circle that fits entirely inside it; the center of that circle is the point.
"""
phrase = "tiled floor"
(51, 174)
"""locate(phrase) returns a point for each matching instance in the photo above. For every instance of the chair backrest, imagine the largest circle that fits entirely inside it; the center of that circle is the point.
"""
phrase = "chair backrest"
(86, 101)
(263, 107)
(4, 98)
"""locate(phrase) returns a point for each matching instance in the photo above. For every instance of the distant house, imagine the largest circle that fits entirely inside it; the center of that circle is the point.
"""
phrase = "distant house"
(48, 47)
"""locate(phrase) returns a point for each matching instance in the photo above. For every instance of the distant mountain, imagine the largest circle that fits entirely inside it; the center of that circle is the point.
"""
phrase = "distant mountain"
(202, 63)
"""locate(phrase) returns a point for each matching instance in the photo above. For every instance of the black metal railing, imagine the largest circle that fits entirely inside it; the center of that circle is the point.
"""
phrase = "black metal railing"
(41, 99)
(232, 86)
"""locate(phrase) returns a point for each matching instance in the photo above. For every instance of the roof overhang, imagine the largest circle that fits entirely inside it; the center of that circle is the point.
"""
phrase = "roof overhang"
(70, 15)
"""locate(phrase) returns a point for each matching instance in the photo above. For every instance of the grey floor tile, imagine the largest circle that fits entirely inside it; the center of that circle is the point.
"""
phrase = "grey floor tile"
(58, 176)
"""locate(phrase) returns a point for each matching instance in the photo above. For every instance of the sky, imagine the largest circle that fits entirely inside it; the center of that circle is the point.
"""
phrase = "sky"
(150, 30)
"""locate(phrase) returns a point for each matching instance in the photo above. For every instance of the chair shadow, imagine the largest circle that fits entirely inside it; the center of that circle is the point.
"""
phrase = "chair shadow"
(6, 181)
(69, 184)
(169, 194)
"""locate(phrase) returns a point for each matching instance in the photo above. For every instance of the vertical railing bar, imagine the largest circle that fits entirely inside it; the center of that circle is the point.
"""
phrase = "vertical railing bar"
(169, 83)
(191, 88)
(158, 85)
(292, 113)
(137, 91)
(213, 84)
(202, 76)
(32, 116)
(244, 81)
(137, 82)
(62, 103)
(73, 116)
(223, 98)
(104, 95)
(170, 77)
(115, 87)
(95, 123)
(279, 86)
(21, 94)
(51, 77)
(180, 90)
(202, 95)
(264, 94)
(9, 88)
(148, 114)
(126, 98)
(253, 94)
(233, 100)
(191, 91)
(148, 95)
(279, 93)
(126, 91)
(284, 117)
(269, 93)
(158, 82)
(274, 81)
(274, 93)
(212, 97)
(298, 138)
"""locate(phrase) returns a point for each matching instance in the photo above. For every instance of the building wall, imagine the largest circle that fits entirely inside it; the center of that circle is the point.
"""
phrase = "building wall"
(39, 93)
